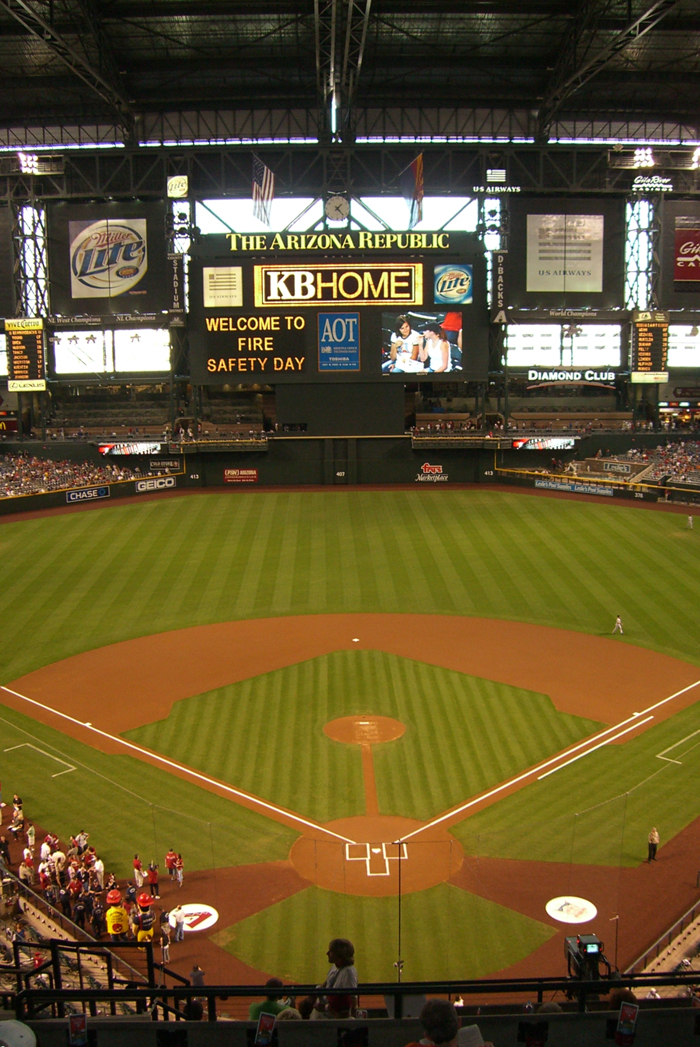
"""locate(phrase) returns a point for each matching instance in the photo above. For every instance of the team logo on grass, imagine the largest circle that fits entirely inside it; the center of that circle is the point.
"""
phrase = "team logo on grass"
(568, 909)
(197, 917)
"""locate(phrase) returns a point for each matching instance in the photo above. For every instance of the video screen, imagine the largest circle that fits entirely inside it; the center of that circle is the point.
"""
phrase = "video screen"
(422, 344)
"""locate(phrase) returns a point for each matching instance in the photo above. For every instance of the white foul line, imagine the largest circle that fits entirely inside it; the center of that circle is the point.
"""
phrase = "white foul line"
(663, 756)
(546, 763)
(606, 741)
(181, 767)
(27, 745)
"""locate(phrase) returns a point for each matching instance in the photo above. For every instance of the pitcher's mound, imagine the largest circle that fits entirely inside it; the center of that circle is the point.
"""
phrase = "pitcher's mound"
(364, 730)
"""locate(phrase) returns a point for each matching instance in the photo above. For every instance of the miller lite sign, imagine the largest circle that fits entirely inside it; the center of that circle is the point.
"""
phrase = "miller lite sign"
(454, 284)
(108, 257)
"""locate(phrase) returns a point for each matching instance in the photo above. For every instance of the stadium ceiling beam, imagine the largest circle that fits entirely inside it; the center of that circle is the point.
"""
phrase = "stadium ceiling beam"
(563, 86)
(99, 83)
(340, 28)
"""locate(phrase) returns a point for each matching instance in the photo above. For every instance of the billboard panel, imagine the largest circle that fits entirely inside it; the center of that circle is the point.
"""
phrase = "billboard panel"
(321, 307)
(565, 254)
(108, 259)
(680, 255)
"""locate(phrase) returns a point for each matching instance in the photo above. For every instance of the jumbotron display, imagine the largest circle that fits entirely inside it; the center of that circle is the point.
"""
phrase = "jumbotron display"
(338, 307)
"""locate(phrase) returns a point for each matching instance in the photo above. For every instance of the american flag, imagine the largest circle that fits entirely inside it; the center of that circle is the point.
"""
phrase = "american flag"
(263, 190)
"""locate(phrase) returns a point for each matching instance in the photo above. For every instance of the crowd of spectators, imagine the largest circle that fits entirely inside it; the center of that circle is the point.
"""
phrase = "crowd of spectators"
(26, 474)
(676, 462)
(679, 462)
(72, 880)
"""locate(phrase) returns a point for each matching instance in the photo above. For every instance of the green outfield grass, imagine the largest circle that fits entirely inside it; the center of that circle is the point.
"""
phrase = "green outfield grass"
(283, 753)
(83, 580)
(468, 936)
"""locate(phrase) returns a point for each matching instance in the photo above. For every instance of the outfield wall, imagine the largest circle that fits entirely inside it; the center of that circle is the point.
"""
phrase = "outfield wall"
(329, 461)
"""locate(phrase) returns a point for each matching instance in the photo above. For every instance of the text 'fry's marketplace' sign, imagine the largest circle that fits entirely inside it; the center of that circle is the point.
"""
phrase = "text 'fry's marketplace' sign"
(347, 306)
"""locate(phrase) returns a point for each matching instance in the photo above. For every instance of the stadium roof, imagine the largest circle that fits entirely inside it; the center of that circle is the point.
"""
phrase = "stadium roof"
(194, 70)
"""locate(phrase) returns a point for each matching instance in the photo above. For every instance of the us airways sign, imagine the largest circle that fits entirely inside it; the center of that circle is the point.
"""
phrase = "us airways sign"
(313, 285)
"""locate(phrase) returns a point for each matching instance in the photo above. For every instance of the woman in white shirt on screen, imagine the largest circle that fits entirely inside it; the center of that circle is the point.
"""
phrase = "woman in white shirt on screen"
(435, 351)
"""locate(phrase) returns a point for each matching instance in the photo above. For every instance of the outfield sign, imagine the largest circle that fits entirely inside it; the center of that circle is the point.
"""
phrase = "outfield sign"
(155, 483)
(161, 464)
(240, 476)
(544, 443)
(560, 485)
(432, 474)
(132, 447)
(87, 494)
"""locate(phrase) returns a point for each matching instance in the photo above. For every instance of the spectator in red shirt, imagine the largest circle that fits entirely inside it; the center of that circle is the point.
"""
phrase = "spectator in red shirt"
(152, 877)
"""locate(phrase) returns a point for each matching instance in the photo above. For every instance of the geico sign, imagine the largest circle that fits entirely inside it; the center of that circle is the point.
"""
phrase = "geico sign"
(367, 284)
(156, 483)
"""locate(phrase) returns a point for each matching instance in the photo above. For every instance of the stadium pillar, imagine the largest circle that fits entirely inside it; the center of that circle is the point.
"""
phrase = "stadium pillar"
(506, 410)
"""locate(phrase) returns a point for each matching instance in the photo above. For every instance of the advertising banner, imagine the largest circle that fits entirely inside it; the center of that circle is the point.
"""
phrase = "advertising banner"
(109, 259)
(566, 254)
(686, 261)
(680, 255)
(338, 307)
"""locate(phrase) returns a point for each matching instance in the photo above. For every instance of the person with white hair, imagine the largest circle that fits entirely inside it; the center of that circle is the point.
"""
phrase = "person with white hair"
(342, 975)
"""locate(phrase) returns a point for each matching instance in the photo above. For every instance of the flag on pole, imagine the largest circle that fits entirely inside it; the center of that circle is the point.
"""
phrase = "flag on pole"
(411, 179)
(263, 190)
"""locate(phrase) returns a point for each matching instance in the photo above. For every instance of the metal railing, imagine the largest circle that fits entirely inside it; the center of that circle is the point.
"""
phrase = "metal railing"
(167, 1002)
(666, 940)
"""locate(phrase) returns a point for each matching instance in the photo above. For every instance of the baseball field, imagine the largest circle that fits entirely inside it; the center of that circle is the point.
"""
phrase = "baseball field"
(397, 716)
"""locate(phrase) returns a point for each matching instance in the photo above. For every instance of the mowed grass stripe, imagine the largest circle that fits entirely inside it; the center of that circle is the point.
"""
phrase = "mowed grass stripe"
(571, 587)
(496, 936)
(434, 773)
(620, 784)
(129, 570)
(181, 812)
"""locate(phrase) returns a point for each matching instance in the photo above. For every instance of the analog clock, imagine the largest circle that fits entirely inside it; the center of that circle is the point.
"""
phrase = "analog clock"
(337, 208)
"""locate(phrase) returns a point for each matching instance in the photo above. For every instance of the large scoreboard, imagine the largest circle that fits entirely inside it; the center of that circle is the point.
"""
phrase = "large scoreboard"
(335, 307)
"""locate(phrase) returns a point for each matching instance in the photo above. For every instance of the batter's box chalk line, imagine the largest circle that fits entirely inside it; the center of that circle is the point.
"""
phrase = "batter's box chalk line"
(375, 856)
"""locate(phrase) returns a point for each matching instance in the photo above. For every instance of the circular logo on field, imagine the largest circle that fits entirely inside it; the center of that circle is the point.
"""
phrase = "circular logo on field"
(197, 917)
(571, 910)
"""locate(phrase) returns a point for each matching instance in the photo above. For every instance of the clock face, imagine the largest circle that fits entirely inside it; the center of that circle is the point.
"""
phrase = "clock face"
(337, 208)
